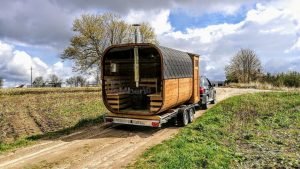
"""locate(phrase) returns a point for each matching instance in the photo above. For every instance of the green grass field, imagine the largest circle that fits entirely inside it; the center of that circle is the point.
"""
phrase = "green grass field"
(29, 114)
(249, 131)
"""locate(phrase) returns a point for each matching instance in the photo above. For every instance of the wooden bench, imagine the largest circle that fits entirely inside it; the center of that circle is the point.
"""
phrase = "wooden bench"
(155, 102)
(118, 101)
(113, 84)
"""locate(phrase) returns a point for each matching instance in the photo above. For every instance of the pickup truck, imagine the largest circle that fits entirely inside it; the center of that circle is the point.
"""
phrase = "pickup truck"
(207, 92)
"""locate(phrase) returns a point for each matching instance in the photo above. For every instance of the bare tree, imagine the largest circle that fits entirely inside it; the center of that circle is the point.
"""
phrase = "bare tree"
(244, 67)
(38, 82)
(116, 29)
(96, 32)
(76, 81)
(54, 79)
(71, 81)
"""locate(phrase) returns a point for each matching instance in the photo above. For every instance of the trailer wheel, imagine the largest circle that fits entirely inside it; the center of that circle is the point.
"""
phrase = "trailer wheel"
(183, 118)
(191, 115)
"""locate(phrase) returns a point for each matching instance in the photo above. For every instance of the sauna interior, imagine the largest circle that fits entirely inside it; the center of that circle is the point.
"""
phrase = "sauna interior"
(132, 79)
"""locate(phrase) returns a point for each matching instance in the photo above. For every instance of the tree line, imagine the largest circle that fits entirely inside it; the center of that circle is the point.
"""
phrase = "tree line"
(54, 81)
(245, 67)
(287, 79)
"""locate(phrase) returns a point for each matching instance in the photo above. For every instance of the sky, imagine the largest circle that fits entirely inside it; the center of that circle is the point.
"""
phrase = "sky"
(34, 33)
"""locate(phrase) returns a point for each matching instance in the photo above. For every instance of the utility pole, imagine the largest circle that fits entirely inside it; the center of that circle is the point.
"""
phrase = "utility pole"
(31, 76)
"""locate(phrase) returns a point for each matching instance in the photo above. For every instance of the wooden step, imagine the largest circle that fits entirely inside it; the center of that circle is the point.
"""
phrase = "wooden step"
(120, 106)
(116, 95)
(155, 104)
(118, 101)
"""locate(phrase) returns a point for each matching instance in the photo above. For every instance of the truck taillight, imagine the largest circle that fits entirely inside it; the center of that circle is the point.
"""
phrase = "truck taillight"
(202, 90)
(108, 119)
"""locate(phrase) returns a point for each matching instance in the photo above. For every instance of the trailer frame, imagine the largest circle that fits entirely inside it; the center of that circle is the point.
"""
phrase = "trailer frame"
(156, 121)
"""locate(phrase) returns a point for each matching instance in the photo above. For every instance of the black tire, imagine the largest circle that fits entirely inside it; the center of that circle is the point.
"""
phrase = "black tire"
(205, 105)
(191, 115)
(183, 118)
(214, 101)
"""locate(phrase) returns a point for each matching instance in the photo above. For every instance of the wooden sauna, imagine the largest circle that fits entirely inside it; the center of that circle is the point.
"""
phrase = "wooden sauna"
(147, 79)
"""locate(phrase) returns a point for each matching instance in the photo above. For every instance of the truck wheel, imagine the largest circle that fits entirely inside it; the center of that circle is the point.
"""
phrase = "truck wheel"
(191, 115)
(183, 118)
(205, 105)
(214, 101)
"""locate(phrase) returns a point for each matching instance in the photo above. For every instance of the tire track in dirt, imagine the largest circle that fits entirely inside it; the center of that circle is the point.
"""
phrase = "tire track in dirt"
(97, 146)
(48, 147)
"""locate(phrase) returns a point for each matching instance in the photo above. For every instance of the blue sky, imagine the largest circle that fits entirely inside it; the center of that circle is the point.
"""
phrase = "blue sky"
(48, 55)
(34, 33)
(181, 20)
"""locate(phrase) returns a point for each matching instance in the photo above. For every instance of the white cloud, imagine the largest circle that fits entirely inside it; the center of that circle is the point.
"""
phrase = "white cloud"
(296, 46)
(263, 14)
(208, 34)
(15, 66)
(268, 29)
(5, 49)
(158, 19)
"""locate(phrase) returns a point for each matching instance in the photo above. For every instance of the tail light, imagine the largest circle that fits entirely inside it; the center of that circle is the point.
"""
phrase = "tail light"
(155, 124)
(202, 90)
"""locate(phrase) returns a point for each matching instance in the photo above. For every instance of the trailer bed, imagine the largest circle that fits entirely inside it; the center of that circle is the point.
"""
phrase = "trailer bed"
(148, 120)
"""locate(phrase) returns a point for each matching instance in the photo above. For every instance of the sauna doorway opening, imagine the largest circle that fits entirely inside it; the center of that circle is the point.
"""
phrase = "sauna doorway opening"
(133, 83)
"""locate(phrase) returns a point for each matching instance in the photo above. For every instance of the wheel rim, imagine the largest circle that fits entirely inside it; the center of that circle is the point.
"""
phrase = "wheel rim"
(191, 113)
(207, 101)
(185, 118)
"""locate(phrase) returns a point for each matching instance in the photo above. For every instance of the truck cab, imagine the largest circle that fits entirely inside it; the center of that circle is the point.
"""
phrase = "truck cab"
(207, 92)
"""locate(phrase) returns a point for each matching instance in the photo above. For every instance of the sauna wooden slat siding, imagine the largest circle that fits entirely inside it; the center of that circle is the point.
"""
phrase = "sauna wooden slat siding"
(176, 92)
(196, 94)
(170, 93)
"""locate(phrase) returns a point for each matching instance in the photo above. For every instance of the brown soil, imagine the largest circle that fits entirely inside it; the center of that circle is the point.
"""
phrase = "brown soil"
(102, 146)
(31, 114)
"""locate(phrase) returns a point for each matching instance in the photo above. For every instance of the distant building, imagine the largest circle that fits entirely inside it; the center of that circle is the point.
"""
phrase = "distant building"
(50, 84)
(20, 86)
(218, 83)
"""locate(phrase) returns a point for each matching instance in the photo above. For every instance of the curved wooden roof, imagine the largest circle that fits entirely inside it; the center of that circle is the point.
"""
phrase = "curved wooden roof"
(175, 63)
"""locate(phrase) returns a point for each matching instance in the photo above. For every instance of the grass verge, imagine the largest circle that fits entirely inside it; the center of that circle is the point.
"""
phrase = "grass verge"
(250, 131)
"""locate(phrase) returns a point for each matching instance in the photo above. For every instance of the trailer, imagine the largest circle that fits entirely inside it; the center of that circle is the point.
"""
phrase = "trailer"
(148, 85)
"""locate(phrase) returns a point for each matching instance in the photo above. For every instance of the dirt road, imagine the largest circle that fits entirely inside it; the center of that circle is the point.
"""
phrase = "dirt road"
(102, 146)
